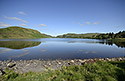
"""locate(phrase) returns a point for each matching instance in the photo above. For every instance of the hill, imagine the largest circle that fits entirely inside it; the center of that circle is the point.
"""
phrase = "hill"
(15, 32)
(73, 35)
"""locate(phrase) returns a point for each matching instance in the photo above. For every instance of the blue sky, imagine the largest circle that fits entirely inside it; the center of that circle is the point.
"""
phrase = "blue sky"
(55, 17)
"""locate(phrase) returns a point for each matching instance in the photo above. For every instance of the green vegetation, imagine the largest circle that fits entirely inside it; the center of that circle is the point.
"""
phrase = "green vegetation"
(16, 32)
(72, 35)
(120, 42)
(112, 35)
(18, 44)
(99, 71)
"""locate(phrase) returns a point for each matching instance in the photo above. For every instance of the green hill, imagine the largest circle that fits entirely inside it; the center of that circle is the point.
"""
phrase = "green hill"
(15, 32)
(73, 35)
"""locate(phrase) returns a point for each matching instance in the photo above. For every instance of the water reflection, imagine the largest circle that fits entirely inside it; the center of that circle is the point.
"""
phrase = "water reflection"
(43, 50)
(117, 43)
(18, 44)
(25, 50)
(17, 56)
(5, 50)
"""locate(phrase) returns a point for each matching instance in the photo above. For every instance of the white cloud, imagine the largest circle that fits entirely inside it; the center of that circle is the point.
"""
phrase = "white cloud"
(78, 22)
(81, 24)
(22, 13)
(87, 23)
(15, 18)
(22, 24)
(42, 25)
(4, 24)
(96, 23)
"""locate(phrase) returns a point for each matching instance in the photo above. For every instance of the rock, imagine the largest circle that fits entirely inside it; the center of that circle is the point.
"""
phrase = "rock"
(59, 63)
(123, 59)
(27, 64)
(79, 60)
(113, 59)
(69, 63)
(91, 60)
(49, 64)
(10, 65)
(72, 61)
(2, 72)
(108, 59)
(100, 59)
(82, 63)
(95, 59)
(45, 66)
(120, 59)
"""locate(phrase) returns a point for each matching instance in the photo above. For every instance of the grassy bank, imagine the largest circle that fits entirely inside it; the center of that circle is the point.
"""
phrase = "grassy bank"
(99, 71)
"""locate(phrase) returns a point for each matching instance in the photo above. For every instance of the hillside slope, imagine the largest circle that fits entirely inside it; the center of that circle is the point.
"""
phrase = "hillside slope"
(16, 32)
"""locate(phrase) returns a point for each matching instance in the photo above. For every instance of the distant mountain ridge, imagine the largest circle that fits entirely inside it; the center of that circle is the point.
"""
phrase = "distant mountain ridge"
(111, 35)
(73, 35)
(16, 32)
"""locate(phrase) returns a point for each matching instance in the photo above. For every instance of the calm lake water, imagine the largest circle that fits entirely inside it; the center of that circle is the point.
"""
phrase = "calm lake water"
(59, 48)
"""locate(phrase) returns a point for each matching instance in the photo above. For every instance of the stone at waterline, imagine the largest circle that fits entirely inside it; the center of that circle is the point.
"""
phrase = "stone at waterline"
(2, 72)
(10, 65)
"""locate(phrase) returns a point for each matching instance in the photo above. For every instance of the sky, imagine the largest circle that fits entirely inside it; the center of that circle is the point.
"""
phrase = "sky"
(56, 17)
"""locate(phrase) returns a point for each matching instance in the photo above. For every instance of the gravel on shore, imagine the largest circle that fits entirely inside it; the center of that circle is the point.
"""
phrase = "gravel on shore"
(23, 66)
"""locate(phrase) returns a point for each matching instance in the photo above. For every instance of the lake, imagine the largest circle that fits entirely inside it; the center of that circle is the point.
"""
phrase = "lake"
(59, 48)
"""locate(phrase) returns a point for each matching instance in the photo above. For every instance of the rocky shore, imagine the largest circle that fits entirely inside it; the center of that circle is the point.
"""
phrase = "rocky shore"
(23, 66)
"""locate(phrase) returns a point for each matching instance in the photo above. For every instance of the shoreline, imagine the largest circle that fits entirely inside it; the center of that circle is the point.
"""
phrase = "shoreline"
(23, 66)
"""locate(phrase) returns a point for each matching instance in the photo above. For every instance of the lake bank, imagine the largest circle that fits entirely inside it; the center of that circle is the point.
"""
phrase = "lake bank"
(107, 69)
(23, 66)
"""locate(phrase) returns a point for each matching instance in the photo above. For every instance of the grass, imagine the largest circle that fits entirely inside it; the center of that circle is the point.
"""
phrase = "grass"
(99, 71)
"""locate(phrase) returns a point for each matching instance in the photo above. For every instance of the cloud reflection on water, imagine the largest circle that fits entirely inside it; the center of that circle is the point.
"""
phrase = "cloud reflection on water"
(5, 50)
(43, 50)
(17, 56)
